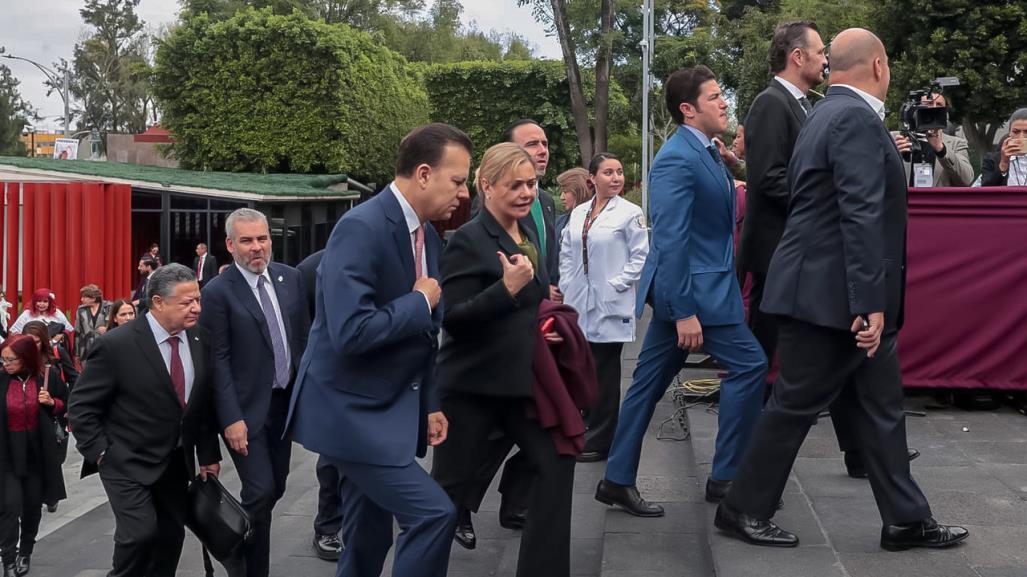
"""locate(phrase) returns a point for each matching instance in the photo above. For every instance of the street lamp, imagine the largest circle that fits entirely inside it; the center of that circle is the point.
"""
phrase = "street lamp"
(52, 76)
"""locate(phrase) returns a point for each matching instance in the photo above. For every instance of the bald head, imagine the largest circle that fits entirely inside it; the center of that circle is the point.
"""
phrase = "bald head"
(858, 58)
(854, 48)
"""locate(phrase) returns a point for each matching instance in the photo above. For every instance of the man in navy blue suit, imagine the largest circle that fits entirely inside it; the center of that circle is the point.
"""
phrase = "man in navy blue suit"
(257, 313)
(689, 280)
(365, 396)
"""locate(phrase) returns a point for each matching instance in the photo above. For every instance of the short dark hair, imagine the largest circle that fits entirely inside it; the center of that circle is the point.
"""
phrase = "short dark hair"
(426, 145)
(150, 262)
(787, 37)
(684, 86)
(508, 133)
(599, 159)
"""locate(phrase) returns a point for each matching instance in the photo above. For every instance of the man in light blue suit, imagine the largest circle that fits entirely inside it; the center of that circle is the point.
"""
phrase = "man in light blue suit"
(689, 280)
(365, 397)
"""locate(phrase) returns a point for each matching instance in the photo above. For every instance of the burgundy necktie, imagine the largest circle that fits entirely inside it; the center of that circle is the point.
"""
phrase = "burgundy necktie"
(419, 252)
(177, 370)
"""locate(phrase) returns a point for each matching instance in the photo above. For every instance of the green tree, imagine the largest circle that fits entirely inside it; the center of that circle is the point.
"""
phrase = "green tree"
(111, 69)
(748, 36)
(556, 16)
(979, 41)
(484, 98)
(15, 114)
(266, 93)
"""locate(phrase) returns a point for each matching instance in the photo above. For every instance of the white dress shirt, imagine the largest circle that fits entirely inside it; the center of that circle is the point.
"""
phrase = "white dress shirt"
(251, 279)
(791, 88)
(875, 103)
(413, 223)
(160, 334)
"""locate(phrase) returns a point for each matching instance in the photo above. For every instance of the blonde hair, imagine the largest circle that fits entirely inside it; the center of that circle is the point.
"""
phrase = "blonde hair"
(497, 161)
(576, 182)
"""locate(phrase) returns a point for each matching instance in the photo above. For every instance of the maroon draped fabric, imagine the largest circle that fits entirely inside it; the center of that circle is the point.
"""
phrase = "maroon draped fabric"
(966, 307)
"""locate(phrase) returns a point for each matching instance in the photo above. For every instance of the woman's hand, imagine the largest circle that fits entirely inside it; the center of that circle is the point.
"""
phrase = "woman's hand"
(45, 398)
(552, 337)
(101, 330)
(517, 272)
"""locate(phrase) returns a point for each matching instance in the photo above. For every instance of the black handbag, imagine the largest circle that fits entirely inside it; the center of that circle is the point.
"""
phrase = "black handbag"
(218, 521)
(59, 430)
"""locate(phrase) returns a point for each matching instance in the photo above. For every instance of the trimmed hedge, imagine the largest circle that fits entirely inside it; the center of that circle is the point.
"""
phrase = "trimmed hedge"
(266, 93)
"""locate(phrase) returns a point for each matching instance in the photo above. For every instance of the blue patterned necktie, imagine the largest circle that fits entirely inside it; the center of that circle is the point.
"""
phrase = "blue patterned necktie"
(277, 339)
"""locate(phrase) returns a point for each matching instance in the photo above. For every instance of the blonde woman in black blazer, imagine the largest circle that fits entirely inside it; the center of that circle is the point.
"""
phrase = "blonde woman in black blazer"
(492, 283)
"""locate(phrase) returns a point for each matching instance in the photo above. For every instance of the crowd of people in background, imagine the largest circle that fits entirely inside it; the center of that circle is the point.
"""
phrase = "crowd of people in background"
(508, 333)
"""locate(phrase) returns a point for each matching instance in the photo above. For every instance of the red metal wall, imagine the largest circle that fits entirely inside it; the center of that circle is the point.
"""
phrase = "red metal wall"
(73, 234)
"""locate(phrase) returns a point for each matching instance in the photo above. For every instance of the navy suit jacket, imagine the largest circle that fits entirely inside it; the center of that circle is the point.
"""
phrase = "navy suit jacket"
(690, 266)
(367, 381)
(843, 252)
(244, 360)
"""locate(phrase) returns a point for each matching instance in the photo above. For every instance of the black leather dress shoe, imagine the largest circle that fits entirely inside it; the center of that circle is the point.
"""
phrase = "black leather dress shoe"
(854, 463)
(327, 547)
(22, 564)
(591, 457)
(716, 490)
(752, 530)
(927, 533)
(627, 498)
(510, 519)
(464, 534)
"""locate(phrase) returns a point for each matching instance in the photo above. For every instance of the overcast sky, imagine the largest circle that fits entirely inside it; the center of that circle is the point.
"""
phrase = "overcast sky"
(46, 31)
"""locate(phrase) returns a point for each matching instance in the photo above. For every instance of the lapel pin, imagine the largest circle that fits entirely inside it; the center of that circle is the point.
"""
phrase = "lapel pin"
(196, 339)
(280, 279)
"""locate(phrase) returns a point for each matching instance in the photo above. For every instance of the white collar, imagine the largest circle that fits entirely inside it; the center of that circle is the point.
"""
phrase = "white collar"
(703, 139)
(875, 103)
(791, 88)
(251, 278)
(160, 333)
(408, 211)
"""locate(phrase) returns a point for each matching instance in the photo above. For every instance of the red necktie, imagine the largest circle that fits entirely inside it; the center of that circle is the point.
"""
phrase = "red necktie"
(177, 370)
(418, 252)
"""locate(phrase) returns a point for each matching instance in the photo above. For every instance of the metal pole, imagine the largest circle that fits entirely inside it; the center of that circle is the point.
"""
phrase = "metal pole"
(67, 99)
(646, 45)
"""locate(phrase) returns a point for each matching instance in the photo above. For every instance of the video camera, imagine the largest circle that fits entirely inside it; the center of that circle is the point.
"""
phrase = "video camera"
(919, 117)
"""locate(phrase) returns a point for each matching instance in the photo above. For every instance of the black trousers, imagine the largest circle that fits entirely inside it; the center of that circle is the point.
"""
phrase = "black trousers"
(328, 520)
(820, 366)
(515, 483)
(764, 327)
(263, 474)
(601, 418)
(22, 511)
(545, 544)
(149, 519)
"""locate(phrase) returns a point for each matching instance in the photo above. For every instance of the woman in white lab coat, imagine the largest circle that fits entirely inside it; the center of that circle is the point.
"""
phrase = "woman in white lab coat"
(602, 250)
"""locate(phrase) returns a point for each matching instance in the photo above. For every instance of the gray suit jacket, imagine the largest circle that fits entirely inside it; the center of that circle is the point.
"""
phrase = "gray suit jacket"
(953, 169)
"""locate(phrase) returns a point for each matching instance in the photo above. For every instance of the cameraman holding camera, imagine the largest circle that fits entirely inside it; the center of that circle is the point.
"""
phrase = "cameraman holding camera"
(1008, 165)
(947, 155)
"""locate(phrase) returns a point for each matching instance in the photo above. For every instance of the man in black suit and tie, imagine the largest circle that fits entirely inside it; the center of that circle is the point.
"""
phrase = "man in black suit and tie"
(257, 315)
(837, 281)
(797, 59)
(204, 265)
(146, 267)
(142, 411)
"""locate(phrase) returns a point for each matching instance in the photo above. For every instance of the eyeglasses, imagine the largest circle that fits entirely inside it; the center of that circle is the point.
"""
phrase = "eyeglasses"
(9, 361)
